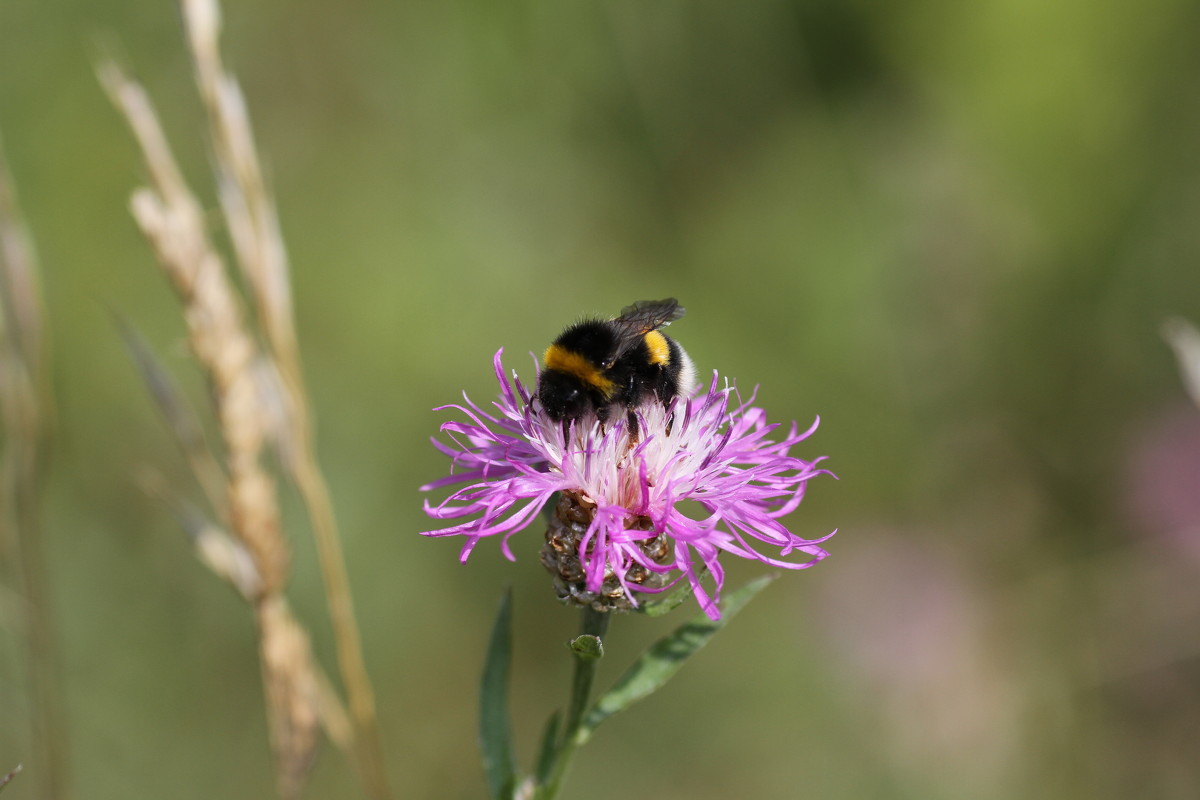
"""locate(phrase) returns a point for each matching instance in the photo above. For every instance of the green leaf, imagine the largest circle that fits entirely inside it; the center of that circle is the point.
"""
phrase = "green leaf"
(670, 601)
(587, 647)
(549, 749)
(495, 730)
(664, 658)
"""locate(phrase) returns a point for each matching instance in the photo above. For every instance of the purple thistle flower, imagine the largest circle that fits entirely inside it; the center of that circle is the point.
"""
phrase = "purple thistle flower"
(618, 527)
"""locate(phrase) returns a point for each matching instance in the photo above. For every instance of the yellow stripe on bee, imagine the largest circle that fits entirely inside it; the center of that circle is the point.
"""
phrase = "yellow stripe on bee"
(561, 359)
(660, 351)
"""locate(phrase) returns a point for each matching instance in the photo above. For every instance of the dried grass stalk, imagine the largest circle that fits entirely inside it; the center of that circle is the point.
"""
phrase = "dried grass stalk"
(259, 398)
(249, 212)
(171, 218)
(232, 562)
(291, 691)
(24, 407)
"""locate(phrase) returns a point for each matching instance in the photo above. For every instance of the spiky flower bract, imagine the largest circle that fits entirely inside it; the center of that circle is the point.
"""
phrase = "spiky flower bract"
(626, 497)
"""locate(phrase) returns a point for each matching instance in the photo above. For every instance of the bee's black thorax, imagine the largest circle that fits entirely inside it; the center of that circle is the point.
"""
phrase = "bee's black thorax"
(593, 339)
(649, 372)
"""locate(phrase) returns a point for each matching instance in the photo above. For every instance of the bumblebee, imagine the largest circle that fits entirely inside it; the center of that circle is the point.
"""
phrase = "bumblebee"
(604, 366)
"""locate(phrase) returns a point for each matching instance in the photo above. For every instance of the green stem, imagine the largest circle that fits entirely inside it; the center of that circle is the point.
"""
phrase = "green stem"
(592, 623)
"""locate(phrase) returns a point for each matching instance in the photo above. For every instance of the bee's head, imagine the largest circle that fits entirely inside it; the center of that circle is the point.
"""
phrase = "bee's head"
(563, 396)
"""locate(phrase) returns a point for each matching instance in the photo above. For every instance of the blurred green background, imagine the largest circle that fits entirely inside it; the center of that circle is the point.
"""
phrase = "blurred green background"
(951, 229)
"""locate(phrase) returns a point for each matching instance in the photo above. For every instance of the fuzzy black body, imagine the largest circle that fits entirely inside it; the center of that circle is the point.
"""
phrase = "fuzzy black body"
(644, 375)
(570, 391)
(605, 367)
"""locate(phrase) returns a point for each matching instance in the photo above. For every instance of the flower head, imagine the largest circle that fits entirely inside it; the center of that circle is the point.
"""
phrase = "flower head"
(619, 527)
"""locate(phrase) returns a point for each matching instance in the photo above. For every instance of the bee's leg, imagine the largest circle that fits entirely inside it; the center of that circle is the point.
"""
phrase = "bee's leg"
(666, 393)
(602, 418)
(665, 390)
(632, 425)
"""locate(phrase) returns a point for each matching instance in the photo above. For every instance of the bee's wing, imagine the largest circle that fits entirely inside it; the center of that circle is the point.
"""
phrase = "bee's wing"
(648, 315)
(642, 317)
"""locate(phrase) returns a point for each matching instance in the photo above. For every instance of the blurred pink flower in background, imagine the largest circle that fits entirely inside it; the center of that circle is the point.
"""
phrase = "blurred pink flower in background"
(912, 626)
(1162, 495)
